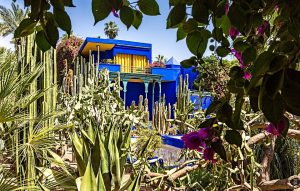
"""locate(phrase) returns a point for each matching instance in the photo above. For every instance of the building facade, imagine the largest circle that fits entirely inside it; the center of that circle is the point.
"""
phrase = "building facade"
(133, 61)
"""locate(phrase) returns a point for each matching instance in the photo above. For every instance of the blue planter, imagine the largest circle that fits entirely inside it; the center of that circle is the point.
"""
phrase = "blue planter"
(173, 140)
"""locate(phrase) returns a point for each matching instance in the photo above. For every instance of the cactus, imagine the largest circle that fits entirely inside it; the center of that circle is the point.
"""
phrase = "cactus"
(146, 111)
(140, 106)
(183, 104)
(29, 56)
(161, 115)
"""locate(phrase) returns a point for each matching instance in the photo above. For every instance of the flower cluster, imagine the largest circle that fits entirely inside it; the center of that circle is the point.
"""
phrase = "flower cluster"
(276, 129)
(261, 29)
(67, 50)
(113, 10)
(197, 141)
(233, 32)
(239, 57)
(157, 64)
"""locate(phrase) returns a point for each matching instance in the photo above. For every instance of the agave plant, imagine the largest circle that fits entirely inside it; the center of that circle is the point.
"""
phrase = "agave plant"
(101, 142)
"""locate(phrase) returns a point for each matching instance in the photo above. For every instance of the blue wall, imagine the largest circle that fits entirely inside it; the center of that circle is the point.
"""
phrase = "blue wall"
(135, 89)
(169, 74)
(192, 75)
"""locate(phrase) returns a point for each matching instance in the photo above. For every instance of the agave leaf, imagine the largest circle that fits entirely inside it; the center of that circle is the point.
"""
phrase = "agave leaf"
(88, 182)
(95, 155)
(100, 182)
(135, 185)
(78, 152)
(115, 157)
(104, 163)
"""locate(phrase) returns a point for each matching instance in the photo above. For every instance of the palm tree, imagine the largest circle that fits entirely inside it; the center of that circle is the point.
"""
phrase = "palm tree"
(161, 59)
(111, 30)
(10, 18)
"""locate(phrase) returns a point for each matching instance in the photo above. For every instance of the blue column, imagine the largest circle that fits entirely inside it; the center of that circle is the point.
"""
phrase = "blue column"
(125, 90)
(146, 83)
(153, 94)
(159, 84)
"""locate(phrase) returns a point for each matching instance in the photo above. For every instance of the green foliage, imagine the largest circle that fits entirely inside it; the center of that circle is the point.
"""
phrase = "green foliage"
(143, 135)
(205, 178)
(127, 16)
(267, 47)
(213, 75)
(26, 136)
(101, 9)
(101, 136)
(149, 7)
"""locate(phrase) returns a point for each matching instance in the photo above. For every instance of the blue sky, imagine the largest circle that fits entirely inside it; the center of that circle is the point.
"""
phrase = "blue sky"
(152, 30)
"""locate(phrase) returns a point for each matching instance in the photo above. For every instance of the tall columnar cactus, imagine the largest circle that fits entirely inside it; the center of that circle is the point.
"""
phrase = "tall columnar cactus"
(146, 111)
(29, 58)
(142, 107)
(183, 106)
(161, 116)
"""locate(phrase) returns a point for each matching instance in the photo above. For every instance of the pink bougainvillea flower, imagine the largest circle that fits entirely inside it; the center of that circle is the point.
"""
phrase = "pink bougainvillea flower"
(227, 7)
(247, 75)
(276, 7)
(67, 42)
(276, 129)
(233, 32)
(192, 140)
(113, 10)
(261, 29)
(205, 133)
(238, 56)
(208, 155)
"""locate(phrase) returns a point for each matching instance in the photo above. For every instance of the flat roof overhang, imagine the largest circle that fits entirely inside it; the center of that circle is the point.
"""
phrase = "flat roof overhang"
(91, 44)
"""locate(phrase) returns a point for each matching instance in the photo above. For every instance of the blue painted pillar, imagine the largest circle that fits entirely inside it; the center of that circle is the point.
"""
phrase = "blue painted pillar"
(146, 83)
(159, 84)
(153, 94)
(125, 90)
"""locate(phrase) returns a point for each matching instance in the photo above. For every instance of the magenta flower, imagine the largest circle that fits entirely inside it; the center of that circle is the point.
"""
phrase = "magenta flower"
(261, 29)
(67, 42)
(233, 32)
(192, 140)
(208, 155)
(113, 10)
(238, 56)
(276, 8)
(227, 7)
(247, 75)
(205, 133)
(276, 129)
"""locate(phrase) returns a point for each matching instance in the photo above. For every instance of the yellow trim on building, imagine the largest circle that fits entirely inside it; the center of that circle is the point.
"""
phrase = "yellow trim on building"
(93, 47)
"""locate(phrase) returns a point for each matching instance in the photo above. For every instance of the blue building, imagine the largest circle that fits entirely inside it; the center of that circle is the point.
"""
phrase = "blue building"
(132, 60)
